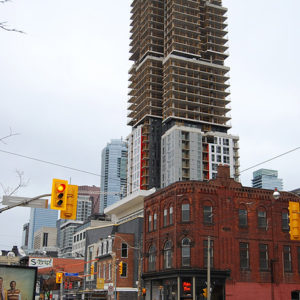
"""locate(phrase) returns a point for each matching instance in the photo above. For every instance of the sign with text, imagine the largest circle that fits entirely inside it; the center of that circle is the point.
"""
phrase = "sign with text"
(71, 274)
(100, 283)
(40, 262)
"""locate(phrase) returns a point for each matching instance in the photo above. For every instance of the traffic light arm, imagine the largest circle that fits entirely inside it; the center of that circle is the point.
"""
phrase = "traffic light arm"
(23, 202)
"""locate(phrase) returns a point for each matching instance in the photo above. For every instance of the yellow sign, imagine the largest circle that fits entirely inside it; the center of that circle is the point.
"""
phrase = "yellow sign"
(100, 283)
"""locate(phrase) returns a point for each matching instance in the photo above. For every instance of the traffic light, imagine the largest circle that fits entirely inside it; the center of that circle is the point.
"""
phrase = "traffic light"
(71, 207)
(121, 268)
(59, 277)
(59, 194)
(92, 269)
(294, 216)
(144, 291)
(205, 292)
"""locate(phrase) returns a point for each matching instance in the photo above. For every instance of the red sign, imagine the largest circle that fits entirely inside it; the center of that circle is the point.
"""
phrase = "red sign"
(186, 286)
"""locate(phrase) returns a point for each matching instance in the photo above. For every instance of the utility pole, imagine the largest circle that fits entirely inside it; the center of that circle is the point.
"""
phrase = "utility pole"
(61, 296)
(208, 268)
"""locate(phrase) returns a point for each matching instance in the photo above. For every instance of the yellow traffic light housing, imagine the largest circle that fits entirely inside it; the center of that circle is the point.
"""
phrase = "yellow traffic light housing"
(205, 292)
(294, 216)
(71, 207)
(121, 268)
(59, 194)
(144, 291)
(59, 277)
(92, 269)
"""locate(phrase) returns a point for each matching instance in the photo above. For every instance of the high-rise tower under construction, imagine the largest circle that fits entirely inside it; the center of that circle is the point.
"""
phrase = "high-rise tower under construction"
(178, 98)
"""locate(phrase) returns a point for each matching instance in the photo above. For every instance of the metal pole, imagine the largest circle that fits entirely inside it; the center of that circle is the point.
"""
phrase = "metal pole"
(23, 202)
(61, 290)
(116, 268)
(208, 268)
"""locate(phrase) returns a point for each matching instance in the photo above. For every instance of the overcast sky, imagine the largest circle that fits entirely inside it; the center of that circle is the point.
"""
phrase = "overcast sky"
(63, 87)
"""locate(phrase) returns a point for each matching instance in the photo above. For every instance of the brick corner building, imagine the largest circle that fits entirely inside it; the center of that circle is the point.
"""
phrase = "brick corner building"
(251, 251)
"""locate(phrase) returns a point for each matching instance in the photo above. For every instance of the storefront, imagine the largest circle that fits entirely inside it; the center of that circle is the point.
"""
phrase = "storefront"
(184, 284)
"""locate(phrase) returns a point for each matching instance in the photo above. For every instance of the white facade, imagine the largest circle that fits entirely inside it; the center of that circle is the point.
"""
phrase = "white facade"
(134, 160)
(45, 239)
(189, 154)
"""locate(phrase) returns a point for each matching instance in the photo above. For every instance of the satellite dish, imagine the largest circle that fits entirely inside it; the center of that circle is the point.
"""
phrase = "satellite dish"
(11, 254)
(22, 252)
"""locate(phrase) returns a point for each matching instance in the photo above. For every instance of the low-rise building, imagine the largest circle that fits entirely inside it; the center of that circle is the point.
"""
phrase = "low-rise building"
(245, 231)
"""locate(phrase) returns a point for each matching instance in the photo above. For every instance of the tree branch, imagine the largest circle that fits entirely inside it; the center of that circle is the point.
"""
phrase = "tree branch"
(22, 183)
(4, 27)
(11, 133)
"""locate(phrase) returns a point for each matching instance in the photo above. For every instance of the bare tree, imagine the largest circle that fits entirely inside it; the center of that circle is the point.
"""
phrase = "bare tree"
(9, 191)
(11, 133)
(3, 25)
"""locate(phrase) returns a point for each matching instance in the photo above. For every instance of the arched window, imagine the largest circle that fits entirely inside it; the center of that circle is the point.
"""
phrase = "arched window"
(285, 220)
(186, 252)
(165, 217)
(168, 255)
(243, 217)
(207, 214)
(149, 223)
(171, 215)
(185, 212)
(155, 221)
(152, 258)
(262, 218)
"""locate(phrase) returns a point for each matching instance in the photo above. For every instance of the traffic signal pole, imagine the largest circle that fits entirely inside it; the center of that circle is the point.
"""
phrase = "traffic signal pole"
(208, 268)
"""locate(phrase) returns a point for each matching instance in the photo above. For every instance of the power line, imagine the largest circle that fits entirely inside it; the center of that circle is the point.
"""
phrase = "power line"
(50, 163)
(98, 175)
(58, 165)
(270, 159)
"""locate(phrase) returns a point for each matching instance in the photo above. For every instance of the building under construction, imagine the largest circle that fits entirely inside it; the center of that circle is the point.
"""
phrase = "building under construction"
(178, 77)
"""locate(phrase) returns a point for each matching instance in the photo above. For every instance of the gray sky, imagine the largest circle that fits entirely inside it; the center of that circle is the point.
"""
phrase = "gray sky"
(64, 89)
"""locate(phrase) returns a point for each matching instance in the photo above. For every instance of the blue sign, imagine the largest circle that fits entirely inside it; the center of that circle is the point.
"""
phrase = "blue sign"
(71, 274)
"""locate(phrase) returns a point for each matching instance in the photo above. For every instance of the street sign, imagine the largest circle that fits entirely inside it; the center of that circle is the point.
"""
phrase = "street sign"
(100, 283)
(38, 203)
(40, 262)
(71, 274)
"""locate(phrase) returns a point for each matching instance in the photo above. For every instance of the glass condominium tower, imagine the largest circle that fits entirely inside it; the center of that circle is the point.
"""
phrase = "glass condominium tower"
(113, 173)
(178, 78)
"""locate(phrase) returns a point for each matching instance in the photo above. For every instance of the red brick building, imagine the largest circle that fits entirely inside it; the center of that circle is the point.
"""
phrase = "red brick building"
(252, 256)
